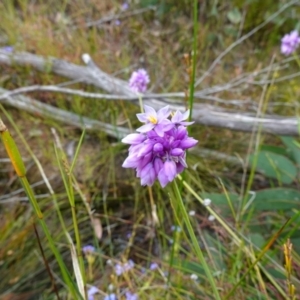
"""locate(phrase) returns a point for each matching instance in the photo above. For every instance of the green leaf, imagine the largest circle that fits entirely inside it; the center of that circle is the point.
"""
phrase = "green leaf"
(188, 266)
(221, 202)
(292, 149)
(257, 239)
(275, 166)
(234, 16)
(277, 199)
(274, 149)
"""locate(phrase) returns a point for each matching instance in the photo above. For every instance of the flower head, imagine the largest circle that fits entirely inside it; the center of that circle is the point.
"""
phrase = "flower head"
(88, 249)
(155, 120)
(122, 268)
(139, 80)
(110, 297)
(91, 292)
(7, 48)
(131, 296)
(290, 42)
(159, 150)
(178, 118)
(153, 266)
(125, 6)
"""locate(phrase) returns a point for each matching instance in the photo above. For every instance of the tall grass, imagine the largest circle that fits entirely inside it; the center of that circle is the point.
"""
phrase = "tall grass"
(229, 249)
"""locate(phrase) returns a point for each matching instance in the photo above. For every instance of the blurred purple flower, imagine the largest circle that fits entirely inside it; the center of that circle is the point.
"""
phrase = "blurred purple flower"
(139, 80)
(117, 22)
(153, 266)
(125, 6)
(88, 249)
(7, 49)
(122, 268)
(159, 151)
(91, 292)
(178, 118)
(290, 42)
(110, 297)
(176, 228)
(131, 296)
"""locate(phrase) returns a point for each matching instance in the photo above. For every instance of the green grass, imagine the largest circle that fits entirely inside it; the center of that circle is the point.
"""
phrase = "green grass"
(102, 204)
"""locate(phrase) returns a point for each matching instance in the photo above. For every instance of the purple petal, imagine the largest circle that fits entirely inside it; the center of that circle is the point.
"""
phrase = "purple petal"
(185, 115)
(181, 133)
(149, 110)
(159, 129)
(175, 144)
(188, 143)
(179, 168)
(145, 149)
(163, 113)
(167, 125)
(131, 161)
(177, 117)
(176, 151)
(143, 162)
(142, 117)
(133, 138)
(146, 128)
(148, 175)
(158, 165)
(162, 178)
(158, 147)
(170, 169)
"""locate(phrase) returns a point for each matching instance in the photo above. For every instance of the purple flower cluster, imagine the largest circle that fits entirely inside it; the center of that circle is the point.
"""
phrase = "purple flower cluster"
(122, 268)
(290, 42)
(91, 292)
(158, 151)
(88, 249)
(110, 297)
(139, 80)
(7, 49)
(131, 296)
(153, 266)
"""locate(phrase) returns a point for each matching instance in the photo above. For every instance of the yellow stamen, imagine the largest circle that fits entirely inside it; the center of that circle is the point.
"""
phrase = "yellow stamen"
(152, 119)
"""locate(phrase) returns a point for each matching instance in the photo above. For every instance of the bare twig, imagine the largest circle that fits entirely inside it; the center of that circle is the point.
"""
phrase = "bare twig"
(45, 110)
(122, 15)
(58, 89)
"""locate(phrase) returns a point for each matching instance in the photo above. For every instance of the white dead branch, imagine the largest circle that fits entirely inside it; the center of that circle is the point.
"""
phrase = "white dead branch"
(118, 89)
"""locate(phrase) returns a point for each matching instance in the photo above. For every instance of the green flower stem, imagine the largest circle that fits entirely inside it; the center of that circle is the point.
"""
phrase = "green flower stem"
(194, 59)
(178, 201)
(141, 103)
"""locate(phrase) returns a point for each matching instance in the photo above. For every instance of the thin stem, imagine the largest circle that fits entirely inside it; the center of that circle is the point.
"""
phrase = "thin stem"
(195, 242)
(194, 58)
(53, 248)
(54, 286)
(141, 103)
